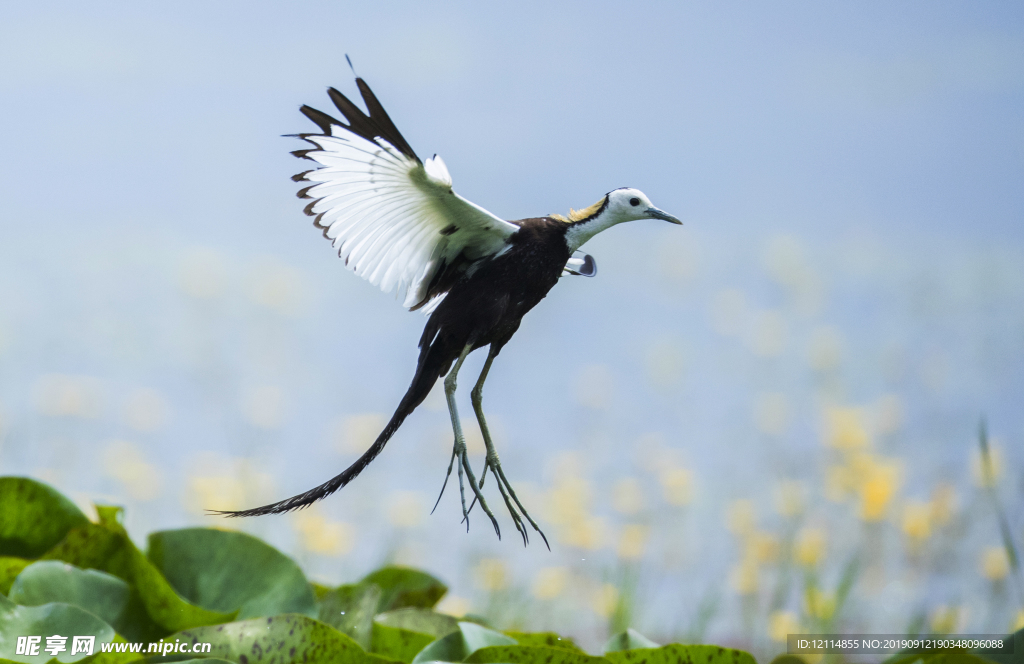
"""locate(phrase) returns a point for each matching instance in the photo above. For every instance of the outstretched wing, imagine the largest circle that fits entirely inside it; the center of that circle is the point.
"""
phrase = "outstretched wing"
(394, 220)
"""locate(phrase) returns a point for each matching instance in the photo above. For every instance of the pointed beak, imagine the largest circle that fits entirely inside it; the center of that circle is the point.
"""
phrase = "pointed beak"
(655, 213)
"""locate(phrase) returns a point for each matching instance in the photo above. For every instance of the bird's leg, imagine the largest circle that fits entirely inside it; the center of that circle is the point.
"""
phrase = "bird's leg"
(459, 451)
(494, 463)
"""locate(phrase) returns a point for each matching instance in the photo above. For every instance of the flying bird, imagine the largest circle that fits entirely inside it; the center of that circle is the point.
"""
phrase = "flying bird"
(397, 222)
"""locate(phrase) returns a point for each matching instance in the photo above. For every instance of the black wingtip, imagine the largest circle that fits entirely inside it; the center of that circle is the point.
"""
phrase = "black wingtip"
(321, 119)
(349, 61)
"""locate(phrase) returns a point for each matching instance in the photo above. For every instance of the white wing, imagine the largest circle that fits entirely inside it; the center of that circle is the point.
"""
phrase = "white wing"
(394, 220)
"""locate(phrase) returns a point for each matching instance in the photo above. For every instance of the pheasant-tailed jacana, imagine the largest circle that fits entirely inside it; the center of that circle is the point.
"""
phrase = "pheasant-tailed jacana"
(397, 222)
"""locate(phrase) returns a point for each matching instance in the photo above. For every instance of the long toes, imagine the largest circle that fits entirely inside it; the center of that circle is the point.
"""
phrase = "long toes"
(462, 493)
(516, 519)
(499, 474)
(479, 496)
(446, 476)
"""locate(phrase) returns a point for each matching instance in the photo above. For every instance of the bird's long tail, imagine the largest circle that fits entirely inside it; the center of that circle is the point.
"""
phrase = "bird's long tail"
(434, 362)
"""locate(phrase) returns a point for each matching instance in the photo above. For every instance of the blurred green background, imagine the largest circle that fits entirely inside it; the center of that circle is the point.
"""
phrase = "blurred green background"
(765, 421)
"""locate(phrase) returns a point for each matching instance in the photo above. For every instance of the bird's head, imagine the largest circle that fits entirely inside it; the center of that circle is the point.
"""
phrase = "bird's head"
(615, 207)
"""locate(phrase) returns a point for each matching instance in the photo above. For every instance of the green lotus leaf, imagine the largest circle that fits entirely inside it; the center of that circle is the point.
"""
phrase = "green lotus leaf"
(397, 643)
(461, 645)
(629, 640)
(546, 640)
(200, 660)
(101, 594)
(403, 633)
(675, 653)
(287, 639)
(106, 546)
(789, 659)
(33, 517)
(403, 587)
(48, 620)
(319, 589)
(532, 655)
(10, 568)
(422, 621)
(225, 571)
(451, 648)
(350, 609)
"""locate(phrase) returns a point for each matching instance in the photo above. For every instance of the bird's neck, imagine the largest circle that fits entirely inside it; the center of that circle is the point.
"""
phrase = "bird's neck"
(579, 232)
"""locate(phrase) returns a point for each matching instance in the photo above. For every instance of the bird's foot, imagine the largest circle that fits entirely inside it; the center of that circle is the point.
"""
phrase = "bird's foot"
(511, 500)
(459, 452)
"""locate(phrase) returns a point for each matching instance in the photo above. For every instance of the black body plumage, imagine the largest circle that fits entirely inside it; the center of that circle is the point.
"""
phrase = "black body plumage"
(484, 307)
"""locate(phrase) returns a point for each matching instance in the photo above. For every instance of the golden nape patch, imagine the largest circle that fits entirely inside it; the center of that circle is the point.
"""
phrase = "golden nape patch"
(585, 213)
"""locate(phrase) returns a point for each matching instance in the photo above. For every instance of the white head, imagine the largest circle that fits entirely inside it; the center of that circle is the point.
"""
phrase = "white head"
(617, 206)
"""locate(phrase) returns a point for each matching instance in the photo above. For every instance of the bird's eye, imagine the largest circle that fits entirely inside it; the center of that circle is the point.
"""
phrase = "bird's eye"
(634, 201)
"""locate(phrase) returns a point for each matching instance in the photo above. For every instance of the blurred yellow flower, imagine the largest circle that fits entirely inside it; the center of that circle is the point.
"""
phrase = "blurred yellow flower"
(677, 486)
(986, 475)
(762, 547)
(222, 483)
(321, 535)
(943, 503)
(917, 521)
(878, 491)
(994, 563)
(633, 541)
(569, 499)
(739, 518)
(453, 605)
(845, 429)
(124, 462)
(604, 600)
(215, 492)
(587, 532)
(744, 577)
(491, 574)
(771, 413)
(550, 582)
(627, 496)
(1018, 622)
(809, 547)
(840, 482)
(944, 619)
(406, 508)
(789, 498)
(819, 604)
(781, 624)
